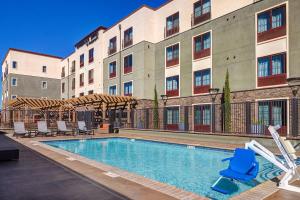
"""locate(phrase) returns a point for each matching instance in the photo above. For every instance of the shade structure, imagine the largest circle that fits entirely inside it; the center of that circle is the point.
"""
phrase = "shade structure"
(96, 100)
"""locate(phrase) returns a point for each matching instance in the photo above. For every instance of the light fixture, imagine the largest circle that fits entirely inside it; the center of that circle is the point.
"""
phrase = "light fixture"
(294, 84)
(213, 93)
(164, 98)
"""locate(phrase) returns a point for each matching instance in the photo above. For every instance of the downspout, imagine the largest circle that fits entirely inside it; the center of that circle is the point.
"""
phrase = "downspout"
(120, 59)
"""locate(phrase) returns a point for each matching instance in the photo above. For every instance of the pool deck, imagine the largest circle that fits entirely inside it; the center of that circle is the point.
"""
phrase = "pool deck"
(137, 187)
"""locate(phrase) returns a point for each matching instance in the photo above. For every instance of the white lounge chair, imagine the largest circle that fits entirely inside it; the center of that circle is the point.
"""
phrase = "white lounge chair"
(82, 128)
(62, 128)
(19, 129)
(287, 164)
(42, 129)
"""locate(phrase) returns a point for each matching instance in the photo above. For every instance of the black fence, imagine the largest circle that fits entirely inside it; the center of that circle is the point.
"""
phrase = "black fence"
(236, 118)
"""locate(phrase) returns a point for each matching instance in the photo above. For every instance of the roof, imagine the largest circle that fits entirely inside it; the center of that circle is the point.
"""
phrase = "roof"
(30, 52)
(91, 33)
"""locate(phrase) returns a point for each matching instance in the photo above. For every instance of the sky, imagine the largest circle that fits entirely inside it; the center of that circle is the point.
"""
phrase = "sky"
(54, 26)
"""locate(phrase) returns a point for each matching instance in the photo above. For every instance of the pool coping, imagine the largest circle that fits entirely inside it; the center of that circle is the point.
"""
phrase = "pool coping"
(259, 192)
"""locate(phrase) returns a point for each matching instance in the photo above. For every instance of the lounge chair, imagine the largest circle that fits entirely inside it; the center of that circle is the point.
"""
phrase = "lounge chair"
(62, 128)
(42, 129)
(242, 167)
(83, 130)
(19, 129)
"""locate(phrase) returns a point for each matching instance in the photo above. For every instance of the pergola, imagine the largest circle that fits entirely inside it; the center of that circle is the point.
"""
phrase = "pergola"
(97, 101)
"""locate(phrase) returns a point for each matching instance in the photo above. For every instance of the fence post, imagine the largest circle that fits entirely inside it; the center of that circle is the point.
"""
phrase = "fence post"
(295, 115)
(147, 118)
(248, 117)
(186, 118)
(213, 116)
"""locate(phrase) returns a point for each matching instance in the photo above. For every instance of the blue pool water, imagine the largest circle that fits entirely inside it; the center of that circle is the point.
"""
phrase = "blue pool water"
(193, 170)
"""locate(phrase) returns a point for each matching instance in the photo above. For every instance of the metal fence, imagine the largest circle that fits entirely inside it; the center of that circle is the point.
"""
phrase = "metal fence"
(250, 118)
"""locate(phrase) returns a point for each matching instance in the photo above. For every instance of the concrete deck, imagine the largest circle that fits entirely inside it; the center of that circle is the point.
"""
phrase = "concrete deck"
(136, 187)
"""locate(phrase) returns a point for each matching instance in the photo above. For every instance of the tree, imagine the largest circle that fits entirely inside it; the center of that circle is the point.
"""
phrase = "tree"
(155, 110)
(227, 104)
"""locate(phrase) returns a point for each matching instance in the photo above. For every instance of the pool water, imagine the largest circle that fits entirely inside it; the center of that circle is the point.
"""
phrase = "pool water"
(188, 168)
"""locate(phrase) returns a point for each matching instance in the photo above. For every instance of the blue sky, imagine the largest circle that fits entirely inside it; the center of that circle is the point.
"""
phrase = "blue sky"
(54, 26)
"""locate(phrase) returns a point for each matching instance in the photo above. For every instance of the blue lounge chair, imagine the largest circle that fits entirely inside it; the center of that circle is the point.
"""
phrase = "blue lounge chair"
(242, 167)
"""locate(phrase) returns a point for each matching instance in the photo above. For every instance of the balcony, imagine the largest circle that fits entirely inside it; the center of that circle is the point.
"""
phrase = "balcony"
(170, 63)
(271, 34)
(111, 51)
(172, 93)
(127, 43)
(112, 75)
(201, 54)
(127, 69)
(201, 89)
(172, 31)
(277, 79)
(199, 19)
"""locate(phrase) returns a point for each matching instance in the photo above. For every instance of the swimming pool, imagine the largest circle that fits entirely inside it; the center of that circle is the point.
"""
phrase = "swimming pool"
(188, 168)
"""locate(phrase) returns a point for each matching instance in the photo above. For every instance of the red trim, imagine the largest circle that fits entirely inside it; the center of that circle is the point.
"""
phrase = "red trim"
(172, 93)
(202, 128)
(201, 89)
(173, 127)
(127, 69)
(201, 54)
(112, 75)
(172, 62)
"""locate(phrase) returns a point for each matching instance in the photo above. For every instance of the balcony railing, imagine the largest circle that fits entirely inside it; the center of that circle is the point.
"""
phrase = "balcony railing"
(127, 43)
(91, 81)
(271, 34)
(172, 31)
(81, 84)
(201, 54)
(173, 62)
(91, 59)
(112, 75)
(111, 50)
(277, 79)
(81, 64)
(201, 89)
(63, 74)
(199, 19)
(172, 93)
(127, 69)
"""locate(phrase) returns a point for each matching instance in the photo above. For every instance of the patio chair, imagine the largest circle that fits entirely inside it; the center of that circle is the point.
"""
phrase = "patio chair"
(83, 130)
(19, 129)
(243, 167)
(43, 130)
(62, 128)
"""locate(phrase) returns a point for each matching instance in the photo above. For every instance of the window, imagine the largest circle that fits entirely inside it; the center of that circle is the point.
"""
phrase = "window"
(202, 118)
(63, 87)
(172, 118)
(172, 24)
(112, 69)
(81, 94)
(273, 113)
(73, 96)
(201, 11)
(202, 46)
(272, 70)
(172, 55)
(73, 84)
(14, 64)
(128, 64)
(128, 89)
(63, 72)
(44, 69)
(73, 66)
(14, 81)
(44, 84)
(202, 81)
(112, 48)
(91, 92)
(113, 90)
(271, 24)
(91, 55)
(13, 96)
(172, 86)
(81, 60)
(128, 37)
(81, 80)
(91, 76)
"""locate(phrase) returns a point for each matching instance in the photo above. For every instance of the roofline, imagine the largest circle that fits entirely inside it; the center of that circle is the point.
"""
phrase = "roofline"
(29, 52)
(88, 35)
(136, 10)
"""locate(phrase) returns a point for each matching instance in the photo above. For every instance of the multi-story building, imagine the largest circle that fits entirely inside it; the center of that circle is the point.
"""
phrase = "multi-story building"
(30, 74)
(185, 47)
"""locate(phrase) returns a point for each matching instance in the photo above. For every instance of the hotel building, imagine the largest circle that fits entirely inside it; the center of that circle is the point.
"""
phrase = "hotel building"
(185, 47)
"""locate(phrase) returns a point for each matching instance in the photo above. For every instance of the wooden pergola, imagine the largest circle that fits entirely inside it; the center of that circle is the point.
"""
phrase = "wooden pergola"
(97, 101)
